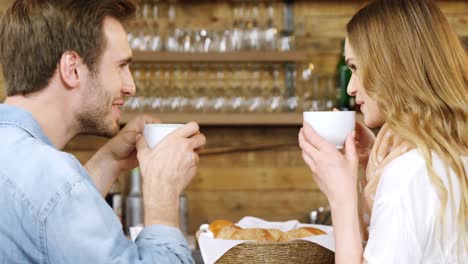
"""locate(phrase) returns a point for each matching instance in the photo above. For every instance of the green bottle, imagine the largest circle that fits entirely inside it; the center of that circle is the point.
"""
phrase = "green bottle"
(344, 101)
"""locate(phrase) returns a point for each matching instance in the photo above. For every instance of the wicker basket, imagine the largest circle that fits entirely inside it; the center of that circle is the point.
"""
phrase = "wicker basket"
(295, 252)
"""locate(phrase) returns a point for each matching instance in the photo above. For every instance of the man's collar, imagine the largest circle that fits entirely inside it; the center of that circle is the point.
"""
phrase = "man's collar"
(21, 118)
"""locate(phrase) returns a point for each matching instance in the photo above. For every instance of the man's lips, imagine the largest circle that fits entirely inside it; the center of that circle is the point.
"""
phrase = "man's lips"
(118, 103)
(116, 106)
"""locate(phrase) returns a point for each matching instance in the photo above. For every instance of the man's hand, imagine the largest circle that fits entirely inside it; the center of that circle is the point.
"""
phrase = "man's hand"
(118, 155)
(166, 171)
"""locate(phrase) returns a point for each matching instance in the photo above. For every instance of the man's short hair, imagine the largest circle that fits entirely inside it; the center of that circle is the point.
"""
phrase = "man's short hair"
(34, 34)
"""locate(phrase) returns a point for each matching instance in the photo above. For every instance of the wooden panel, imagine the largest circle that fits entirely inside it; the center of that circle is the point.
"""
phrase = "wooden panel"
(205, 207)
(82, 155)
(224, 119)
(206, 15)
(350, 7)
(453, 7)
(276, 158)
(4, 4)
(257, 178)
(220, 57)
(460, 24)
(86, 142)
(325, 63)
(327, 8)
(324, 27)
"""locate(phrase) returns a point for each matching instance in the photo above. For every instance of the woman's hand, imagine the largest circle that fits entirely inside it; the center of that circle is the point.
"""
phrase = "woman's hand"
(336, 174)
(364, 138)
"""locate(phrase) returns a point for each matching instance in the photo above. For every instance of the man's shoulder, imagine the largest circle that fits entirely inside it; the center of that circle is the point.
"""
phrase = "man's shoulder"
(38, 172)
(36, 157)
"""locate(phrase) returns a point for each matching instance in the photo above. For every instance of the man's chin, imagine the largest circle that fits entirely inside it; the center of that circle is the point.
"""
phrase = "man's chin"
(108, 131)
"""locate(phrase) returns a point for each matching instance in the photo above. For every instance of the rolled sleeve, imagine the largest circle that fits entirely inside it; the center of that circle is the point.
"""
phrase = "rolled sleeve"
(82, 228)
(166, 242)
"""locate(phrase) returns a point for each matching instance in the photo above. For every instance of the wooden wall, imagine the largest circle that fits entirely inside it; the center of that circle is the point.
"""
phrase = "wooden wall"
(320, 27)
(273, 183)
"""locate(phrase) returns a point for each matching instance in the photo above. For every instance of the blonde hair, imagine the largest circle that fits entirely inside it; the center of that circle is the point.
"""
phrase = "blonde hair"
(414, 65)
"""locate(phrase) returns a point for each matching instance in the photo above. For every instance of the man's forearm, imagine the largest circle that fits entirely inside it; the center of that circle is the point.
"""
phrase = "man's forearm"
(347, 232)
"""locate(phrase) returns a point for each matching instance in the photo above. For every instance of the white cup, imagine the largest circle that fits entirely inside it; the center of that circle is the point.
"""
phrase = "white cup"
(333, 126)
(154, 133)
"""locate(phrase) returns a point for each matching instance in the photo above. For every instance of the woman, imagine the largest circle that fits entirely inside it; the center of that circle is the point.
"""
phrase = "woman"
(410, 76)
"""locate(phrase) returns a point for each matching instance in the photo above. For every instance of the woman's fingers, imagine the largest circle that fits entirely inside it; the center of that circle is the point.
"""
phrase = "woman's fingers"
(315, 139)
(309, 161)
(306, 145)
(364, 135)
(350, 147)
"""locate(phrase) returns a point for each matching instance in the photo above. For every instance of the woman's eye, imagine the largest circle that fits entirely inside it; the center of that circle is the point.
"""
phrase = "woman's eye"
(352, 68)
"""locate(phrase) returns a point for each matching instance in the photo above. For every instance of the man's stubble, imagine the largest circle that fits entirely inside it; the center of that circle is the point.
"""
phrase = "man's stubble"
(96, 119)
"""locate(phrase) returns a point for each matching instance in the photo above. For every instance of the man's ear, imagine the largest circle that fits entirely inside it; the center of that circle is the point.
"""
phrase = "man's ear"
(69, 68)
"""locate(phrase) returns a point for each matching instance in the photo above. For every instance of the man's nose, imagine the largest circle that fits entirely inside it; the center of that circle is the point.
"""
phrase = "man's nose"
(129, 87)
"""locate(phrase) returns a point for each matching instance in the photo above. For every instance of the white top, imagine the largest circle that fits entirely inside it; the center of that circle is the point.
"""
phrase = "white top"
(405, 214)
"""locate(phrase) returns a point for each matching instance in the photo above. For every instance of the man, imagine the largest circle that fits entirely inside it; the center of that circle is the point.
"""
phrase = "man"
(66, 67)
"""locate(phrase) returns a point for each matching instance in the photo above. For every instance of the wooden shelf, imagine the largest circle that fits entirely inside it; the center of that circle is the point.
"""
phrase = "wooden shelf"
(235, 119)
(225, 57)
(228, 119)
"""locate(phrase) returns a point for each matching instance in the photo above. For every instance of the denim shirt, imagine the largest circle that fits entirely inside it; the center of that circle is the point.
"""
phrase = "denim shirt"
(51, 211)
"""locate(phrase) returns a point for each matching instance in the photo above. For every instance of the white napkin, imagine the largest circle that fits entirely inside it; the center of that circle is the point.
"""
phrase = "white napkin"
(212, 249)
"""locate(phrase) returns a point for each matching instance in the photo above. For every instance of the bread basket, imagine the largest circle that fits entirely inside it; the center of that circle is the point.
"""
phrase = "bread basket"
(254, 240)
(294, 252)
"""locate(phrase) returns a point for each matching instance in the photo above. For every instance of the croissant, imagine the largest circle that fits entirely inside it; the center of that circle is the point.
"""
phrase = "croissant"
(224, 229)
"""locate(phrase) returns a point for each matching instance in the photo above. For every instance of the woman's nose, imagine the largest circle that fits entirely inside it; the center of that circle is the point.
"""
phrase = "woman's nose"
(351, 89)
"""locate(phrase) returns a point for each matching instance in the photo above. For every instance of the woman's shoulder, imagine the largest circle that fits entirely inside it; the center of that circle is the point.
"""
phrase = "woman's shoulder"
(403, 170)
(407, 198)
(409, 173)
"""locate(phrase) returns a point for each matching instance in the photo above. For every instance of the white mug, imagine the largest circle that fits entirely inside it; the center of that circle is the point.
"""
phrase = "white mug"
(333, 126)
(154, 133)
